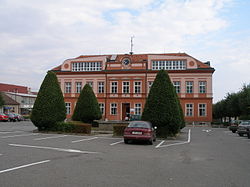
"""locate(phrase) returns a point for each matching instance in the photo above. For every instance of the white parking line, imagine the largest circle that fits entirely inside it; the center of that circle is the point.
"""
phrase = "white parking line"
(24, 166)
(31, 134)
(50, 137)
(54, 148)
(180, 143)
(8, 132)
(160, 144)
(116, 143)
(84, 140)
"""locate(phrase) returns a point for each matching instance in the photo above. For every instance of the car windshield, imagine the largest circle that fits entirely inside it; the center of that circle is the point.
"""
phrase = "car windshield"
(245, 123)
(140, 124)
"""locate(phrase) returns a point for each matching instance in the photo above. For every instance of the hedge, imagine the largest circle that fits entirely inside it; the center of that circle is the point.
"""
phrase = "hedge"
(118, 130)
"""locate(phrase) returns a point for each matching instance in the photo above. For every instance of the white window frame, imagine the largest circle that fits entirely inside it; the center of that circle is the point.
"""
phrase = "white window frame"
(67, 87)
(169, 64)
(114, 87)
(126, 87)
(101, 87)
(87, 66)
(190, 87)
(150, 83)
(202, 86)
(202, 109)
(113, 108)
(137, 88)
(138, 108)
(91, 83)
(78, 87)
(177, 86)
(68, 107)
(189, 109)
(102, 108)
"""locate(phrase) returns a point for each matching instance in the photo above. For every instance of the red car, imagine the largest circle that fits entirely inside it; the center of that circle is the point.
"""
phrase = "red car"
(140, 130)
(3, 117)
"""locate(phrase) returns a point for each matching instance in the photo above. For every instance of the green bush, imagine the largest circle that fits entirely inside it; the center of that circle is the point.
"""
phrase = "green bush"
(118, 130)
(162, 108)
(87, 108)
(49, 107)
(71, 127)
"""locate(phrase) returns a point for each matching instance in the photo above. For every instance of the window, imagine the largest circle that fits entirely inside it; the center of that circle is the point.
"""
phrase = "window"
(189, 109)
(100, 87)
(150, 83)
(90, 83)
(78, 87)
(177, 86)
(67, 87)
(125, 87)
(169, 64)
(138, 109)
(202, 86)
(101, 105)
(67, 108)
(202, 110)
(137, 87)
(113, 108)
(87, 66)
(114, 87)
(189, 87)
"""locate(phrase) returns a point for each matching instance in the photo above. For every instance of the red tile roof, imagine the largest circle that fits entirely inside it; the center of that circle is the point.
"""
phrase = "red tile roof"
(13, 88)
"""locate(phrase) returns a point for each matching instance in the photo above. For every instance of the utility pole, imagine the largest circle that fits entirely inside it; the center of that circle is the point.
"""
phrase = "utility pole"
(131, 45)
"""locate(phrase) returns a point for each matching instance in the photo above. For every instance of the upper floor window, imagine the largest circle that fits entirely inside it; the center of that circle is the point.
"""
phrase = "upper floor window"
(114, 87)
(100, 87)
(125, 87)
(67, 87)
(202, 86)
(137, 87)
(177, 86)
(169, 64)
(189, 87)
(86, 66)
(90, 83)
(78, 87)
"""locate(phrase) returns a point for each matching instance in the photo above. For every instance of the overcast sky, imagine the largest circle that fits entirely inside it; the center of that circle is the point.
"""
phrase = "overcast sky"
(36, 36)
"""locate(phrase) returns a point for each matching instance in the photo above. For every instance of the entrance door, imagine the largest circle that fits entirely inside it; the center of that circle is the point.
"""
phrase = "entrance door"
(125, 110)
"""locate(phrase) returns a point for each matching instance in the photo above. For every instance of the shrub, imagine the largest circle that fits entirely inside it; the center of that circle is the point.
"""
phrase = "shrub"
(118, 130)
(87, 108)
(162, 108)
(49, 107)
(80, 127)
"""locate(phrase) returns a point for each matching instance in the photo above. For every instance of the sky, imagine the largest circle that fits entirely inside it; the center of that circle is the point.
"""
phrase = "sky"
(36, 36)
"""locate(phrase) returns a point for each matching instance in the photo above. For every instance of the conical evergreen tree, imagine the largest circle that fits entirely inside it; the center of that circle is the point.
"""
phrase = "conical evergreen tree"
(49, 107)
(1, 100)
(87, 108)
(162, 107)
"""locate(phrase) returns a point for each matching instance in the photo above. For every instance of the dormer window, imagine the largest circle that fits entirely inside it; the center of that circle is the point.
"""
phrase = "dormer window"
(86, 66)
(169, 64)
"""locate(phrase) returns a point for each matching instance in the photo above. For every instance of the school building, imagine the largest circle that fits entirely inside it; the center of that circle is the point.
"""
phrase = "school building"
(121, 82)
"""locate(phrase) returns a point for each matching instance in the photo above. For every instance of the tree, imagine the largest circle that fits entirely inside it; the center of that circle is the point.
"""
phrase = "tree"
(49, 107)
(1, 99)
(87, 108)
(162, 108)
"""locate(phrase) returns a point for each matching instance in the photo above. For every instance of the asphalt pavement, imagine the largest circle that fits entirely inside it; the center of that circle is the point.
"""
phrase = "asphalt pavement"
(199, 156)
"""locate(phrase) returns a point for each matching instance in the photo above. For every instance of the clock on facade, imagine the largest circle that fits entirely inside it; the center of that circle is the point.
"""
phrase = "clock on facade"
(126, 61)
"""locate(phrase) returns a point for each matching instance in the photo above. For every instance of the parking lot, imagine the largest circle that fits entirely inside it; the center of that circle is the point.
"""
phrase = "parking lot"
(199, 156)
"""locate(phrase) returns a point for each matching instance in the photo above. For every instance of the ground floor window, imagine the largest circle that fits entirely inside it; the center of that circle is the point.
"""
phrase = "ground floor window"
(189, 110)
(202, 110)
(113, 108)
(138, 109)
(67, 108)
(101, 105)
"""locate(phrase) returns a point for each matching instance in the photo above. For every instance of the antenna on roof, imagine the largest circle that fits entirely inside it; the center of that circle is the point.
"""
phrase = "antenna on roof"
(131, 44)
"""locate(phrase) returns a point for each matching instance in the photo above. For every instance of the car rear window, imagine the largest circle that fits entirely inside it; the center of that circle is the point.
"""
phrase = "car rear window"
(139, 124)
(245, 123)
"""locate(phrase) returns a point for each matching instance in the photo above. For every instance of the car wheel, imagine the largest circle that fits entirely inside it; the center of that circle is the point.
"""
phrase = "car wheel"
(248, 135)
(240, 134)
(150, 142)
(125, 141)
(154, 139)
(233, 131)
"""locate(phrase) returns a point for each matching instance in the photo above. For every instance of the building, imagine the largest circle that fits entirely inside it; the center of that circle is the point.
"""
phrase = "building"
(122, 82)
(18, 99)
